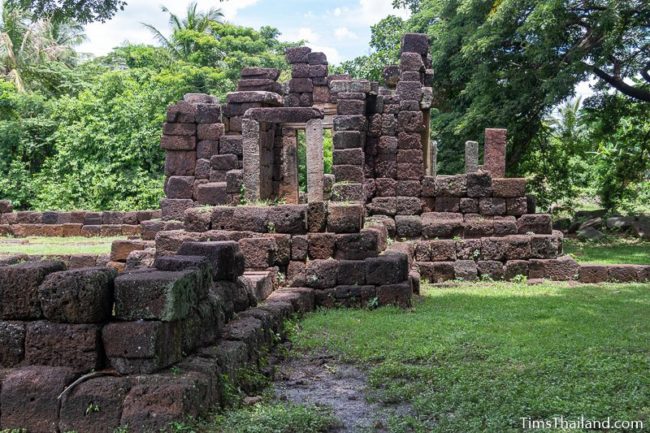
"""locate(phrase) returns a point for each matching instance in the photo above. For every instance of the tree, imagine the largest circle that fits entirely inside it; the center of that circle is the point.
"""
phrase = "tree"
(183, 41)
(507, 63)
(81, 11)
(32, 52)
(385, 41)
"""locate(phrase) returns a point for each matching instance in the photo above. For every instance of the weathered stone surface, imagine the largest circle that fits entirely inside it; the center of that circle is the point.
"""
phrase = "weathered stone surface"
(19, 289)
(259, 253)
(157, 295)
(174, 209)
(321, 274)
(452, 186)
(492, 206)
(212, 193)
(495, 152)
(479, 184)
(143, 346)
(387, 269)
(624, 273)
(321, 245)
(535, 223)
(437, 272)
(104, 393)
(12, 344)
(62, 345)
(509, 187)
(358, 246)
(415, 43)
(291, 219)
(442, 225)
(225, 257)
(471, 156)
(120, 249)
(78, 296)
(345, 218)
(593, 273)
(395, 294)
(408, 226)
(180, 163)
(490, 269)
(466, 270)
(29, 398)
(178, 142)
(316, 216)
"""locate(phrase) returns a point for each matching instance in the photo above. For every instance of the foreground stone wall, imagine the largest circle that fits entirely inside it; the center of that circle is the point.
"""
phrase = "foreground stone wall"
(87, 350)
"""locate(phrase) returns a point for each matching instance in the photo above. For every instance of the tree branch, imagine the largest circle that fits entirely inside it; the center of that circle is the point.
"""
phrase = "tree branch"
(644, 72)
(622, 86)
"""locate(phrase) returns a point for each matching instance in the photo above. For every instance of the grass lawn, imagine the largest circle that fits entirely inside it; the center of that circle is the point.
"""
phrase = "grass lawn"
(56, 246)
(616, 251)
(478, 358)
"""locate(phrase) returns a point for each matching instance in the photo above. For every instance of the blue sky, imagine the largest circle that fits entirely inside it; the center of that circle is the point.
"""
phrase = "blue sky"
(340, 28)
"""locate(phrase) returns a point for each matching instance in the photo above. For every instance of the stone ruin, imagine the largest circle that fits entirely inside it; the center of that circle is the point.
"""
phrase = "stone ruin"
(239, 248)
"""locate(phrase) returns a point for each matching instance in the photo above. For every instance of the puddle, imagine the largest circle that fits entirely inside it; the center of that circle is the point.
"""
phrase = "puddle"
(321, 380)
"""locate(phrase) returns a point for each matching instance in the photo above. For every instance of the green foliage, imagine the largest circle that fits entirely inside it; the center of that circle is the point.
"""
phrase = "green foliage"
(478, 357)
(87, 136)
(279, 418)
(385, 42)
(83, 11)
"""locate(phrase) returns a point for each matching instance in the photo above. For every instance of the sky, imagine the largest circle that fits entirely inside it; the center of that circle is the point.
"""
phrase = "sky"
(339, 28)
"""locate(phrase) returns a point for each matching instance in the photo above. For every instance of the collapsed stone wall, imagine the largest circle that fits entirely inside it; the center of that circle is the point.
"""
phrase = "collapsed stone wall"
(69, 224)
(87, 350)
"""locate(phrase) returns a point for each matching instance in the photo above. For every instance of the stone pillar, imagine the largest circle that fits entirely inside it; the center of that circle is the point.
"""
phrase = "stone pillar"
(471, 157)
(314, 138)
(251, 150)
(433, 162)
(495, 152)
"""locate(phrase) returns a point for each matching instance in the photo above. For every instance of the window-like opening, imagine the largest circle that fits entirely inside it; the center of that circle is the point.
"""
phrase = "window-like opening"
(328, 156)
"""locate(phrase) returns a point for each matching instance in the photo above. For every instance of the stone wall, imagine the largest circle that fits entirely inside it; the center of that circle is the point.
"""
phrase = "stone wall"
(87, 350)
(74, 223)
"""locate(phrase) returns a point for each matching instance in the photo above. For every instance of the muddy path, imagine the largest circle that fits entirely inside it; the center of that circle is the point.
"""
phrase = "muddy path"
(322, 380)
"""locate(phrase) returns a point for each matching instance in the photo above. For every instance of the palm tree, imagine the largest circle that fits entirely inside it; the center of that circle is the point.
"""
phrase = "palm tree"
(194, 20)
(26, 45)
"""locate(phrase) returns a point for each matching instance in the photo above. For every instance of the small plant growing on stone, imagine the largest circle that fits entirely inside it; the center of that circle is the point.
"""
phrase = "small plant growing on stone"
(373, 303)
(487, 278)
(270, 227)
(476, 254)
(175, 371)
(519, 278)
(122, 429)
(457, 238)
(92, 408)
(282, 278)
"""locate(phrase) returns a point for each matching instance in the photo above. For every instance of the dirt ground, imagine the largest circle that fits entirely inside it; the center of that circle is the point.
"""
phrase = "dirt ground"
(321, 380)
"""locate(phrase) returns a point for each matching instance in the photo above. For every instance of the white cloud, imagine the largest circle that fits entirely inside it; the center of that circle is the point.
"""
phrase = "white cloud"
(231, 7)
(372, 11)
(337, 12)
(342, 33)
(307, 34)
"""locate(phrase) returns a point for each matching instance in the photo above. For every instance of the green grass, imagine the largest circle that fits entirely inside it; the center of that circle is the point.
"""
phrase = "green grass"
(273, 417)
(56, 246)
(478, 358)
(615, 251)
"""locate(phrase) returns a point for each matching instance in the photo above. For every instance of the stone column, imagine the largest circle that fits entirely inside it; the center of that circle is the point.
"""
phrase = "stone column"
(495, 152)
(471, 157)
(433, 161)
(314, 138)
(251, 150)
